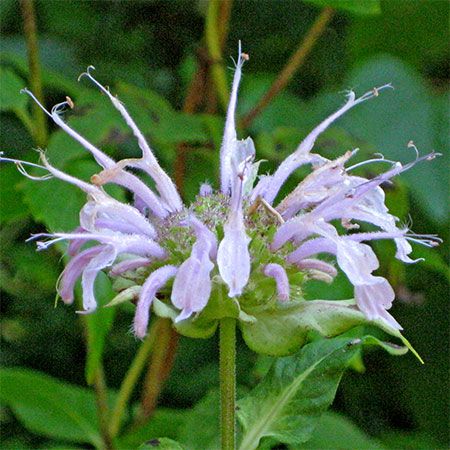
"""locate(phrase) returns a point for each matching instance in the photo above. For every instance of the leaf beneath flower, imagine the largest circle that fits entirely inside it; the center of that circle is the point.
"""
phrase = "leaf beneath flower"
(287, 405)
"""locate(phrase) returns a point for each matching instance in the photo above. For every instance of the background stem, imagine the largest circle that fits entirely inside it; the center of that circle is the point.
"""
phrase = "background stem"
(130, 380)
(213, 42)
(40, 133)
(228, 383)
(101, 397)
(193, 100)
(161, 363)
(295, 62)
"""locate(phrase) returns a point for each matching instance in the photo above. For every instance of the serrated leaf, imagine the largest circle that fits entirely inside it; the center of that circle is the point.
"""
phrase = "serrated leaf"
(288, 403)
(50, 407)
(365, 8)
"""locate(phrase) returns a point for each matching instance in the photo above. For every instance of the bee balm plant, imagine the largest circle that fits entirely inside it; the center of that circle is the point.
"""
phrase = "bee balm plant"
(243, 254)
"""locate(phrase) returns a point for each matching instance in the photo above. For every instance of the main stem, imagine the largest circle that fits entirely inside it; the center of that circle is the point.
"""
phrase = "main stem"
(228, 383)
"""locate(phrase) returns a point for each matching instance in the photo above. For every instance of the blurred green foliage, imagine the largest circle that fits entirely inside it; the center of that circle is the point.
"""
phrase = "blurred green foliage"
(146, 51)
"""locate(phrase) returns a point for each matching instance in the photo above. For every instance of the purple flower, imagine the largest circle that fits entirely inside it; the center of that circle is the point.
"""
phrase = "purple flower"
(235, 238)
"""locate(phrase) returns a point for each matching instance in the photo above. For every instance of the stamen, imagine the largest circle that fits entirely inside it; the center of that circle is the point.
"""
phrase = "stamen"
(19, 164)
(260, 201)
(412, 145)
(28, 92)
(428, 240)
(88, 75)
(370, 161)
(375, 92)
(70, 102)
(59, 107)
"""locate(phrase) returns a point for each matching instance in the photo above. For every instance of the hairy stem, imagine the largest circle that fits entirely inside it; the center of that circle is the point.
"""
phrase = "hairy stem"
(40, 133)
(161, 364)
(130, 380)
(213, 42)
(295, 62)
(228, 383)
(101, 398)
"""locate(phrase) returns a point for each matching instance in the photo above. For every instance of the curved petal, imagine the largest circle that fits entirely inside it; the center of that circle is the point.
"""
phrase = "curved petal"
(152, 285)
(104, 259)
(228, 147)
(73, 271)
(374, 299)
(319, 265)
(358, 261)
(129, 264)
(233, 257)
(278, 273)
(195, 273)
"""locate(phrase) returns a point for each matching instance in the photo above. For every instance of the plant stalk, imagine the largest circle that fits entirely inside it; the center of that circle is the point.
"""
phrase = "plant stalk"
(101, 398)
(161, 364)
(40, 132)
(227, 357)
(130, 380)
(295, 62)
(213, 42)
(194, 98)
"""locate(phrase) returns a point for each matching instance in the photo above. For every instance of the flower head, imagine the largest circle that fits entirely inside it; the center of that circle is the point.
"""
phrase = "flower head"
(233, 240)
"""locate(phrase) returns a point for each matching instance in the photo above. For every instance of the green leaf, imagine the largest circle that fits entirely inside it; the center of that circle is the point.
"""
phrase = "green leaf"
(397, 116)
(164, 421)
(282, 329)
(131, 293)
(204, 417)
(365, 7)
(414, 31)
(19, 274)
(180, 127)
(288, 403)
(12, 201)
(160, 444)
(204, 324)
(56, 203)
(410, 441)
(338, 432)
(98, 325)
(49, 77)
(49, 407)
(10, 97)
